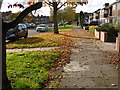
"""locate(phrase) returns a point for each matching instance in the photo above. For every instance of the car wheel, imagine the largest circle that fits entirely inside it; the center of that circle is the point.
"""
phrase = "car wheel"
(26, 35)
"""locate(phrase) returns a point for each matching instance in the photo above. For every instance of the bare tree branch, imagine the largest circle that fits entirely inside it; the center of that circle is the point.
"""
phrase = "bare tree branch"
(50, 4)
(61, 5)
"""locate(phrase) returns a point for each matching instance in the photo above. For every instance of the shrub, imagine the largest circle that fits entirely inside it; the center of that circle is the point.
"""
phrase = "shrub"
(92, 29)
(117, 26)
(111, 30)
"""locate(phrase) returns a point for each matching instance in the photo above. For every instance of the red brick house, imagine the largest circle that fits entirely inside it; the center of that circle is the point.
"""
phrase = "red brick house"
(114, 12)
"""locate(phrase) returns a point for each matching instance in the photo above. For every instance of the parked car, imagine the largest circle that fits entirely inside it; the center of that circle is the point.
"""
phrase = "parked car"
(102, 24)
(60, 24)
(96, 23)
(19, 31)
(33, 25)
(67, 23)
(30, 25)
(42, 27)
(86, 23)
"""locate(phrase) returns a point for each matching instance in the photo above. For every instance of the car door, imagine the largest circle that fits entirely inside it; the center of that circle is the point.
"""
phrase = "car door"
(19, 31)
(24, 30)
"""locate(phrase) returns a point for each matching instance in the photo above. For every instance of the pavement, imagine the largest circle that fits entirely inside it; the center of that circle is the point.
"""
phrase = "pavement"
(32, 49)
(89, 66)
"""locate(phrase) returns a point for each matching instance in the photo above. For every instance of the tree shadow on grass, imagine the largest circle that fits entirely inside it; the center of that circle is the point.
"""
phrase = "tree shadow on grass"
(29, 40)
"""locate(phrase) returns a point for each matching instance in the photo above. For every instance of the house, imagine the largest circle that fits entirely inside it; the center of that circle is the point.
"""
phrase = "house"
(88, 16)
(114, 12)
(104, 13)
(41, 19)
(96, 15)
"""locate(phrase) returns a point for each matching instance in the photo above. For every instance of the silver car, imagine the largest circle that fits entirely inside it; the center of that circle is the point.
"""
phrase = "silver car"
(41, 27)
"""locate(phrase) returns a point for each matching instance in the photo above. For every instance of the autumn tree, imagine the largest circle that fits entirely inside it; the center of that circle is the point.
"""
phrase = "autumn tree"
(63, 14)
(69, 12)
(56, 5)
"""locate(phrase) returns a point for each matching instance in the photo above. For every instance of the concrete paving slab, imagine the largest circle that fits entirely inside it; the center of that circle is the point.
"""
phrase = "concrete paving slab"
(73, 82)
(92, 73)
(110, 73)
(102, 82)
(102, 67)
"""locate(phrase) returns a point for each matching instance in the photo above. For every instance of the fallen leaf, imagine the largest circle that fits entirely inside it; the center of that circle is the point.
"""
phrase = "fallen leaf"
(113, 84)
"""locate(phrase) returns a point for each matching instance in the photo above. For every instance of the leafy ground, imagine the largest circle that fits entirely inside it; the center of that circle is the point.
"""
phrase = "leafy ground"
(47, 39)
(32, 69)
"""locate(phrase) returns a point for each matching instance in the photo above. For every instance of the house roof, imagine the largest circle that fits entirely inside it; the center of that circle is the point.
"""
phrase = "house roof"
(112, 5)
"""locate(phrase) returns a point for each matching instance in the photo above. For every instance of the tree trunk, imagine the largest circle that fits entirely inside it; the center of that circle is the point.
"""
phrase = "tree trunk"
(5, 82)
(55, 18)
(6, 85)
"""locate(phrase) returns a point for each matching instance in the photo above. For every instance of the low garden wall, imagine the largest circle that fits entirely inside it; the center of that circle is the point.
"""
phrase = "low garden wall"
(103, 36)
(97, 34)
(118, 43)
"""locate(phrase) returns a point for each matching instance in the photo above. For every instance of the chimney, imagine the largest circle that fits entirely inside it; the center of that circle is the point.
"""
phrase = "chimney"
(106, 4)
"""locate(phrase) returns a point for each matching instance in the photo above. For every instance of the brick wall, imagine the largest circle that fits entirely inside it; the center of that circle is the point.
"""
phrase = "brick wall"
(118, 43)
(115, 13)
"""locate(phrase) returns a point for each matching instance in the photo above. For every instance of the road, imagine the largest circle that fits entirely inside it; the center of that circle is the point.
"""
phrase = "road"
(32, 32)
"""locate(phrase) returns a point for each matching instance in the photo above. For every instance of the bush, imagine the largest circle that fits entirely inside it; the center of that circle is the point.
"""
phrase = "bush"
(117, 26)
(111, 30)
(86, 27)
(92, 29)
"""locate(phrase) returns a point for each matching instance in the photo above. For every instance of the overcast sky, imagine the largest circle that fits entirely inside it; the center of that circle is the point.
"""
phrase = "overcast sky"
(93, 5)
(90, 7)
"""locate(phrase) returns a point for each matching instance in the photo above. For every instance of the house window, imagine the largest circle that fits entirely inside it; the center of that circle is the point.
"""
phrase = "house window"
(114, 7)
(106, 11)
(118, 6)
(119, 19)
(101, 12)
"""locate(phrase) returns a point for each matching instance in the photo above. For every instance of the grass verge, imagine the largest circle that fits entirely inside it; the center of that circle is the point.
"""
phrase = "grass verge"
(63, 28)
(40, 40)
(47, 39)
(32, 69)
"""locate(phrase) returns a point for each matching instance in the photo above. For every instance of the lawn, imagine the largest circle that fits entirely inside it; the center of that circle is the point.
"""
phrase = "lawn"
(40, 40)
(31, 69)
(63, 28)
(47, 39)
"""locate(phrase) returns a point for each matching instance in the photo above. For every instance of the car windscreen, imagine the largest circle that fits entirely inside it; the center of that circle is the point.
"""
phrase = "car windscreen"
(23, 26)
(41, 25)
(94, 23)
